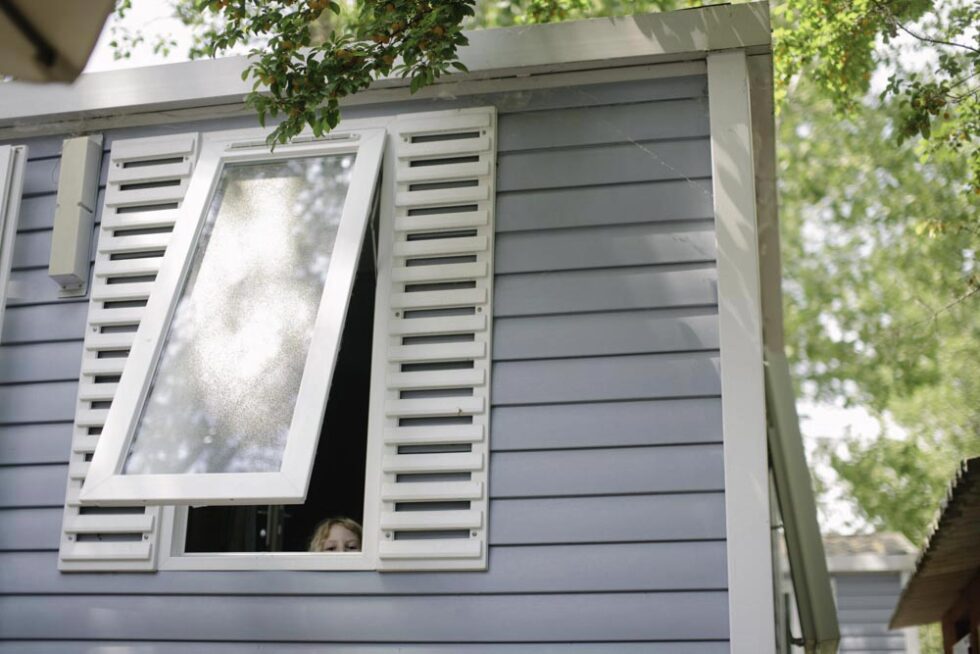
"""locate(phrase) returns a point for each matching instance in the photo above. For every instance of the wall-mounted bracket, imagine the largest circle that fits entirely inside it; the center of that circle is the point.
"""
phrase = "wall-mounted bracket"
(74, 215)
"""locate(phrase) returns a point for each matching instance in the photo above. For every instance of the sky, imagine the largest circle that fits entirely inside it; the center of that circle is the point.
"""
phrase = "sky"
(823, 422)
(152, 17)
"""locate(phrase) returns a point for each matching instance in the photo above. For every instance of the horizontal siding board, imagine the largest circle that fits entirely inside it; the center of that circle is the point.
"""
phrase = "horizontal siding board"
(45, 322)
(41, 176)
(610, 124)
(865, 616)
(657, 422)
(591, 95)
(33, 286)
(867, 584)
(847, 602)
(605, 164)
(865, 603)
(50, 402)
(606, 378)
(627, 567)
(31, 444)
(630, 518)
(37, 212)
(32, 249)
(39, 147)
(551, 521)
(184, 647)
(32, 486)
(490, 618)
(604, 205)
(596, 472)
(603, 247)
(34, 362)
(34, 530)
(895, 643)
(596, 334)
(617, 289)
(595, 95)
(864, 630)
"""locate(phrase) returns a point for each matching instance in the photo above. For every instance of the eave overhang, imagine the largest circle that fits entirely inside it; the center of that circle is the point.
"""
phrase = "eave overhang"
(492, 54)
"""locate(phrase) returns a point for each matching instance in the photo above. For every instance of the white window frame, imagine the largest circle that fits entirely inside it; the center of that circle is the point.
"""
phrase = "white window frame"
(105, 485)
(173, 539)
(13, 164)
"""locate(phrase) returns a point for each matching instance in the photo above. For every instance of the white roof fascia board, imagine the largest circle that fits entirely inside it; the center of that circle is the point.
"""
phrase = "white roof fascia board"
(579, 45)
(870, 562)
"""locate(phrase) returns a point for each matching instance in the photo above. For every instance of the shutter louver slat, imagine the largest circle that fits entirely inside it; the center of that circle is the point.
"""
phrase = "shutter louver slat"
(429, 520)
(121, 292)
(94, 555)
(443, 148)
(143, 196)
(437, 379)
(433, 319)
(432, 299)
(434, 434)
(436, 246)
(436, 353)
(117, 195)
(107, 524)
(141, 243)
(141, 219)
(418, 463)
(97, 392)
(130, 267)
(432, 491)
(429, 555)
(443, 196)
(445, 172)
(121, 341)
(436, 326)
(441, 221)
(435, 408)
(443, 273)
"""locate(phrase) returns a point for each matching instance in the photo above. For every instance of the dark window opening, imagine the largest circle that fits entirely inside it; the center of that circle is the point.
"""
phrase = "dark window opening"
(337, 484)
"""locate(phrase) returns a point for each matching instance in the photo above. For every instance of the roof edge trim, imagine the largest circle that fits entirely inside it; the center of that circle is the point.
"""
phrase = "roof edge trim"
(579, 45)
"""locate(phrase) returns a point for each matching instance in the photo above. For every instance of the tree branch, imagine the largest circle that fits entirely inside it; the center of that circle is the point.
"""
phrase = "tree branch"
(927, 39)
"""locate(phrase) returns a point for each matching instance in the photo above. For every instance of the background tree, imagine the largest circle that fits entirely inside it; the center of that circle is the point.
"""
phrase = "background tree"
(879, 193)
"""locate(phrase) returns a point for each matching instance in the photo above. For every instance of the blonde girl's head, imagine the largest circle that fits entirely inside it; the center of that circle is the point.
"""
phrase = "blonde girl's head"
(337, 534)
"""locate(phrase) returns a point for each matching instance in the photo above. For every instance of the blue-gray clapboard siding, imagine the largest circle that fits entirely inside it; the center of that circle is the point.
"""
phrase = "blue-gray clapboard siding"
(607, 526)
(865, 603)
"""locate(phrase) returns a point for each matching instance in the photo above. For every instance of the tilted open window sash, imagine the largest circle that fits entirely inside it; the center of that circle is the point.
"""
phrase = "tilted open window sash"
(226, 384)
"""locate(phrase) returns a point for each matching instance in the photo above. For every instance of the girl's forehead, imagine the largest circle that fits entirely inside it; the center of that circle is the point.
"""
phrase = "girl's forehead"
(340, 531)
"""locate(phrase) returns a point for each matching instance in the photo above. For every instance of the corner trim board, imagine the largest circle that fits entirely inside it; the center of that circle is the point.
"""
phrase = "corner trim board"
(750, 588)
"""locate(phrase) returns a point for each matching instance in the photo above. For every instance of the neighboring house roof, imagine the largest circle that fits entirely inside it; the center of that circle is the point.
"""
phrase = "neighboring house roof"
(887, 543)
(951, 557)
(882, 552)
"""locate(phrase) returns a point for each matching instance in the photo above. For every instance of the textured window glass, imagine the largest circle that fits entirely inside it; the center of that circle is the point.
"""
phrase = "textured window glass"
(224, 389)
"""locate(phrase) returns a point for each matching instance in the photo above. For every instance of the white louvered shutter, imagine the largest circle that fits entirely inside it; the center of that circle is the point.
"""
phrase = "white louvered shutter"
(146, 183)
(431, 381)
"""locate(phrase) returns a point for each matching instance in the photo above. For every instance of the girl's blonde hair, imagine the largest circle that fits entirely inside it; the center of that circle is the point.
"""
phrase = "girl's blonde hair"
(323, 530)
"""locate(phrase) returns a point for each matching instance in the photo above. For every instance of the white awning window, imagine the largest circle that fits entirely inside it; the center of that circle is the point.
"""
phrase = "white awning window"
(246, 314)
